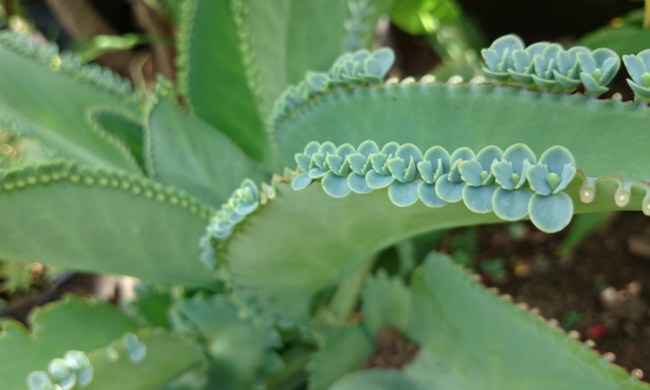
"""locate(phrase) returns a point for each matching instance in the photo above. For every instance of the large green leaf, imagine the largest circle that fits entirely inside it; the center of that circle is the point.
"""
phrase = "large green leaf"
(607, 138)
(71, 323)
(185, 152)
(214, 77)
(323, 239)
(471, 338)
(50, 94)
(237, 56)
(69, 216)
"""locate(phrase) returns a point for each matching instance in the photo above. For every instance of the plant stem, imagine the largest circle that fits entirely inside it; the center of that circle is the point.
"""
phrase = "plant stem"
(646, 15)
(345, 298)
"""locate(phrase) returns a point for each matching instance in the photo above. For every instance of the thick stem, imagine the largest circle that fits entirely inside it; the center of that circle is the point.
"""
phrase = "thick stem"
(646, 15)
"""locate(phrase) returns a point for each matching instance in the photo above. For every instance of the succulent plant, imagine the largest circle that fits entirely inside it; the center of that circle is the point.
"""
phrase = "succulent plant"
(253, 214)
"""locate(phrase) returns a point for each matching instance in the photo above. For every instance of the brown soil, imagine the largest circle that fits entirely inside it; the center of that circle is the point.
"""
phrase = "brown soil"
(600, 290)
(393, 351)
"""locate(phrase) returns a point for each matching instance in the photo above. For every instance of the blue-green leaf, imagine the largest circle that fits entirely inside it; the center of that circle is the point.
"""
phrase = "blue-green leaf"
(335, 186)
(511, 205)
(479, 199)
(403, 194)
(551, 213)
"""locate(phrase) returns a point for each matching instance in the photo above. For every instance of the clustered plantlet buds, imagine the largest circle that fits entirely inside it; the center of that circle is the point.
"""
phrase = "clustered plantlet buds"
(358, 68)
(549, 66)
(66, 373)
(513, 183)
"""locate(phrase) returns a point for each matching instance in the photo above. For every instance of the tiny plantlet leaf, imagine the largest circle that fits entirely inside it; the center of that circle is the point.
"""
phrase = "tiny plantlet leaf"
(550, 213)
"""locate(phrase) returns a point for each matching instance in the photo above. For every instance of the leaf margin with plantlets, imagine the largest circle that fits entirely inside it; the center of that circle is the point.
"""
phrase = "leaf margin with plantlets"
(125, 362)
(242, 228)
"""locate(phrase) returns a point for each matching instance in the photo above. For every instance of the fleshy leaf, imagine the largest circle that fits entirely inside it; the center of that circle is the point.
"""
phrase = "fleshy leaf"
(378, 181)
(61, 120)
(403, 194)
(511, 205)
(551, 213)
(167, 357)
(479, 199)
(100, 221)
(448, 191)
(428, 195)
(335, 186)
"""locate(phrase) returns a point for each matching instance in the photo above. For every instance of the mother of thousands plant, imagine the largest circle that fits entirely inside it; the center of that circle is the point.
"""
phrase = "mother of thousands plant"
(254, 211)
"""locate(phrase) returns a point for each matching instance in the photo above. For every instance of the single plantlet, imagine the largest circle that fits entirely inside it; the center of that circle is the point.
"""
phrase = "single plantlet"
(500, 58)
(638, 66)
(597, 69)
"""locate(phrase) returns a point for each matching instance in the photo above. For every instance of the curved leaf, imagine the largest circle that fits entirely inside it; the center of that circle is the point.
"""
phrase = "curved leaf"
(323, 238)
(69, 216)
(51, 93)
(185, 152)
(551, 213)
(253, 50)
(214, 77)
